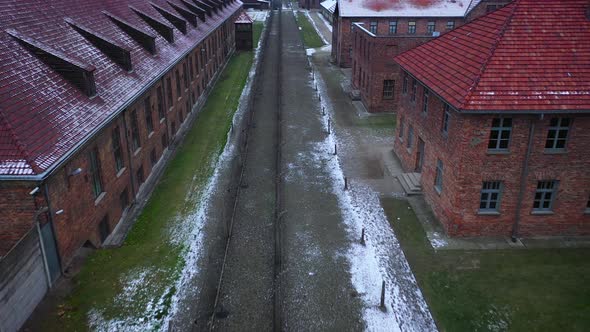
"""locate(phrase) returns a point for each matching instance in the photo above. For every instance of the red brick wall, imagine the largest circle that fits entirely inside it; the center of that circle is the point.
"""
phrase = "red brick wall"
(73, 194)
(467, 163)
(18, 209)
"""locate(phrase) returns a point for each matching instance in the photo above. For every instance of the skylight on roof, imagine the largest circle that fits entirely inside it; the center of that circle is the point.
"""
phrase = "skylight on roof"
(121, 55)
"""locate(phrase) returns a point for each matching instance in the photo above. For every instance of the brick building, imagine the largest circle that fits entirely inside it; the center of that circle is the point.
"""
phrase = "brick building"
(495, 117)
(309, 4)
(92, 93)
(383, 33)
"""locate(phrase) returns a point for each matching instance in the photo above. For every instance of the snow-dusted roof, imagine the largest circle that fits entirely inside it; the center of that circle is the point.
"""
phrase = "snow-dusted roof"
(330, 5)
(405, 8)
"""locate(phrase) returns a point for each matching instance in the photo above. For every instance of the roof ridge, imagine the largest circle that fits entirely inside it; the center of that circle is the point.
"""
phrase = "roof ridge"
(491, 54)
(20, 146)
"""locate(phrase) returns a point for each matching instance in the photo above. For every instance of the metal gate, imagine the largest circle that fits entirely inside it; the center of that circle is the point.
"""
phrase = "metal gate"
(50, 252)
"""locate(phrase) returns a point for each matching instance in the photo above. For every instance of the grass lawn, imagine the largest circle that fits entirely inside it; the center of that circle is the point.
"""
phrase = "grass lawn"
(311, 39)
(496, 290)
(147, 251)
(385, 121)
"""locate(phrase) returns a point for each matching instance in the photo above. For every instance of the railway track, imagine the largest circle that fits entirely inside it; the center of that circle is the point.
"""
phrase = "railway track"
(249, 285)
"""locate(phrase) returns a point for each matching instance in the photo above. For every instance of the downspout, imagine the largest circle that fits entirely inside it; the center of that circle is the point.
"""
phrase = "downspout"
(523, 181)
(129, 153)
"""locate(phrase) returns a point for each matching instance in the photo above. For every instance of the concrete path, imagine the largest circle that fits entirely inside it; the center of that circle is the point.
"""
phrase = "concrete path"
(322, 26)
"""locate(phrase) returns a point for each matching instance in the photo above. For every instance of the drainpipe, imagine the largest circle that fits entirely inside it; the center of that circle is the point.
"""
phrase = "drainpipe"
(130, 154)
(523, 180)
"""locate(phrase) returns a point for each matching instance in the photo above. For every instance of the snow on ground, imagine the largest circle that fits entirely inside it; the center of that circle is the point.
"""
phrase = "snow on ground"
(315, 27)
(187, 231)
(381, 259)
(328, 25)
(257, 15)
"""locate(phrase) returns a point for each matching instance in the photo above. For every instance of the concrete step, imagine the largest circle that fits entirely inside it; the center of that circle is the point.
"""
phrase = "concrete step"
(415, 179)
(408, 182)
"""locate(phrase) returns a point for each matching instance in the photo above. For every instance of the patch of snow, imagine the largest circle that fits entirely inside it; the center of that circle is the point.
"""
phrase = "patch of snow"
(326, 23)
(381, 259)
(406, 8)
(437, 241)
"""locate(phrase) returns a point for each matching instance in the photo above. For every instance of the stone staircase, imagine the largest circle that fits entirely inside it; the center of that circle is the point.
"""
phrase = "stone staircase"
(411, 183)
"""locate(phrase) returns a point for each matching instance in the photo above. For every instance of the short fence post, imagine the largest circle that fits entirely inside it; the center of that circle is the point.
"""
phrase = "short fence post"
(383, 294)
(345, 183)
(335, 149)
(363, 236)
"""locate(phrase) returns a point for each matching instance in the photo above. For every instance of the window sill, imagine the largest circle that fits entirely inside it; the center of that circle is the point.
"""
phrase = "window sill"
(488, 213)
(587, 211)
(445, 135)
(438, 190)
(136, 152)
(121, 171)
(99, 198)
(498, 152)
(555, 151)
(542, 213)
(150, 134)
(409, 150)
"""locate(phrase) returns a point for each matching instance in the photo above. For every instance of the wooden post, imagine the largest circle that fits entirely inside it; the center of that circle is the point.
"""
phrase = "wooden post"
(329, 126)
(323, 110)
(335, 149)
(383, 295)
(363, 236)
(345, 183)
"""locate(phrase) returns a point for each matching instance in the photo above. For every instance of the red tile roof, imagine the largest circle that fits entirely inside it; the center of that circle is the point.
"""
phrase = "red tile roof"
(528, 56)
(43, 116)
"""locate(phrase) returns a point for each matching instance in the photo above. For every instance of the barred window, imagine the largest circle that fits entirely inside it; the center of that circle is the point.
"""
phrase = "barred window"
(438, 179)
(160, 103)
(405, 85)
(177, 85)
(117, 149)
(500, 134)
(94, 171)
(135, 141)
(557, 134)
(411, 27)
(450, 25)
(490, 196)
(388, 86)
(446, 119)
(545, 195)
(425, 100)
(430, 27)
(149, 124)
(392, 27)
(169, 88)
(373, 27)
(414, 89)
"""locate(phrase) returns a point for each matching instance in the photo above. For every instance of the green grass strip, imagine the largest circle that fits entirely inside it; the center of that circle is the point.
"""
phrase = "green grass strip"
(311, 39)
(147, 251)
(496, 290)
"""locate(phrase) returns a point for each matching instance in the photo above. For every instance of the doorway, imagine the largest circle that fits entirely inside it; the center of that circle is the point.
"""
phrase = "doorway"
(419, 156)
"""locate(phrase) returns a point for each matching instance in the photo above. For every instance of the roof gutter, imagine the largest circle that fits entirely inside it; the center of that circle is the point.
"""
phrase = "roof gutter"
(105, 123)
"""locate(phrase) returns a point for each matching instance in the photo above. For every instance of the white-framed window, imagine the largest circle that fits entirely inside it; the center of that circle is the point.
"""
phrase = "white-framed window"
(425, 94)
(430, 27)
(500, 134)
(446, 119)
(438, 179)
(450, 25)
(557, 134)
(392, 27)
(545, 196)
(388, 86)
(373, 27)
(411, 27)
(489, 200)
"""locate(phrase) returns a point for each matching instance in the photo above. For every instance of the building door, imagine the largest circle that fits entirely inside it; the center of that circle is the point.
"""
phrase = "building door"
(420, 155)
(50, 251)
